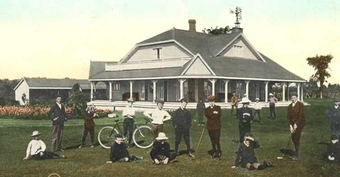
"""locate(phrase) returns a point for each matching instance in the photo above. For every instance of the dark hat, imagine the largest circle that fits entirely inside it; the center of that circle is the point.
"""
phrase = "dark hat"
(118, 136)
(183, 100)
(160, 101)
(334, 137)
(336, 100)
(211, 98)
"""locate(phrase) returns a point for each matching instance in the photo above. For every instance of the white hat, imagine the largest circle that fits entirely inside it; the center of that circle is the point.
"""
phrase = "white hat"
(256, 99)
(245, 100)
(270, 94)
(161, 136)
(35, 133)
(130, 100)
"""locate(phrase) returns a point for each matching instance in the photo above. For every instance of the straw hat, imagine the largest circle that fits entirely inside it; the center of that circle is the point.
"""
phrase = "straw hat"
(245, 100)
(257, 99)
(35, 133)
(161, 136)
(270, 94)
(130, 100)
(211, 98)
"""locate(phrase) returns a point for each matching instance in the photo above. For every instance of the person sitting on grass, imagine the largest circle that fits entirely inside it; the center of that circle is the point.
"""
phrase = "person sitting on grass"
(160, 153)
(333, 150)
(36, 149)
(246, 155)
(119, 152)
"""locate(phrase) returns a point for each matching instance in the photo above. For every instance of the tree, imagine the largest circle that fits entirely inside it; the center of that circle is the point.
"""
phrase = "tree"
(320, 65)
(217, 31)
(77, 100)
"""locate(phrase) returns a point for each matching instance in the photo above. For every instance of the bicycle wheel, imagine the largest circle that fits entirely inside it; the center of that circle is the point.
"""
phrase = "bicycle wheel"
(106, 136)
(143, 137)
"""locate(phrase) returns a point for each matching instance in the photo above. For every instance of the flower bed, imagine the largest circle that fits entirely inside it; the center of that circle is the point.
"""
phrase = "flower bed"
(35, 112)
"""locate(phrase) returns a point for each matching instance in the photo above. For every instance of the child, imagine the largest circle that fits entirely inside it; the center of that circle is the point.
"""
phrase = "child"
(119, 152)
(89, 125)
(160, 153)
(333, 150)
(36, 149)
(246, 155)
(257, 107)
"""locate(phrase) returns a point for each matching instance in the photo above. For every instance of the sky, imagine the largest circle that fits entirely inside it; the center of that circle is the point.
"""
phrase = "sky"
(58, 39)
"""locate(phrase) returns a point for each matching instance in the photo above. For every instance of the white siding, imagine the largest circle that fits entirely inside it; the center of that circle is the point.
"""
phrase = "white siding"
(167, 51)
(240, 50)
(23, 88)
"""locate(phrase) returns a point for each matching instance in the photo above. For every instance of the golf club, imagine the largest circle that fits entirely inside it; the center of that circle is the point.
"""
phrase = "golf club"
(199, 141)
(284, 154)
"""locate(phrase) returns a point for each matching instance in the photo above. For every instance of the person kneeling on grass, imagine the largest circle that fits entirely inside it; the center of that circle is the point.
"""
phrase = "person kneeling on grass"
(333, 150)
(246, 155)
(119, 152)
(36, 149)
(160, 153)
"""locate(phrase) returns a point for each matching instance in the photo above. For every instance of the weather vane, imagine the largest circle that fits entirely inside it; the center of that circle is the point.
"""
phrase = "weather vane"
(238, 13)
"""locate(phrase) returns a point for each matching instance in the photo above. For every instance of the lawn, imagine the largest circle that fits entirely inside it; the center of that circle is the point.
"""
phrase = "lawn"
(273, 135)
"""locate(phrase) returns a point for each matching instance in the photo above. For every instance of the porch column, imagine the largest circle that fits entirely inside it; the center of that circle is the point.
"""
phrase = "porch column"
(298, 91)
(283, 92)
(266, 91)
(247, 88)
(181, 82)
(301, 93)
(212, 86)
(110, 92)
(131, 89)
(226, 91)
(91, 91)
(154, 90)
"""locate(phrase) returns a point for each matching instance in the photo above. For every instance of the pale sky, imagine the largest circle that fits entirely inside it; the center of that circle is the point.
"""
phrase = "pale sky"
(57, 39)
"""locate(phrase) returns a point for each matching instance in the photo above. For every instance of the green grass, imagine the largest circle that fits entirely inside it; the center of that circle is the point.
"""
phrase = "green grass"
(273, 135)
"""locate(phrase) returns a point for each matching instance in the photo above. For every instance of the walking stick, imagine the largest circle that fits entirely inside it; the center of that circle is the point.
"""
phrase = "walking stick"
(199, 141)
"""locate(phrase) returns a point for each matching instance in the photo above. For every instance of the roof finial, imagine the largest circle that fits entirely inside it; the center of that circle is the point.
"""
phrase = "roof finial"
(238, 14)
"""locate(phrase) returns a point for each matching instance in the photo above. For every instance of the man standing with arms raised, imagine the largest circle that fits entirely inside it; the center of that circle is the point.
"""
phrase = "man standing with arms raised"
(58, 116)
(296, 119)
(182, 123)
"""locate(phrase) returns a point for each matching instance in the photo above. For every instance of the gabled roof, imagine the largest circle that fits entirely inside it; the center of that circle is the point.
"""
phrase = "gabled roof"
(51, 83)
(208, 47)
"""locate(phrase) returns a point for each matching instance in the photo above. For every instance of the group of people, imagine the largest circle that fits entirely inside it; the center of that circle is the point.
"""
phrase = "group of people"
(182, 121)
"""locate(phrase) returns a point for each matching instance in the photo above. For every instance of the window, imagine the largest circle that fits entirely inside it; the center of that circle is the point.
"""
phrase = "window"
(158, 52)
(116, 86)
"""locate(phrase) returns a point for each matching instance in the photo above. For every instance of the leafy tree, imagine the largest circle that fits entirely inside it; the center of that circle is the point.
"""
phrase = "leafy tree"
(77, 100)
(320, 65)
(217, 31)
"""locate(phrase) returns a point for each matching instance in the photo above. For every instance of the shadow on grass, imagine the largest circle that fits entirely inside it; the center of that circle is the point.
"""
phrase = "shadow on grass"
(287, 152)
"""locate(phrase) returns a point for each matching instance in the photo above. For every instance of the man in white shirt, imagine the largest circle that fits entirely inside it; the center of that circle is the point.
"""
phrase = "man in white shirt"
(257, 106)
(36, 149)
(129, 116)
(158, 116)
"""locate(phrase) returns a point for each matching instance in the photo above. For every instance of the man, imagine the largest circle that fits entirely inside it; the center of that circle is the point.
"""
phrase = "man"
(119, 152)
(158, 116)
(333, 115)
(160, 153)
(129, 116)
(182, 123)
(296, 120)
(245, 117)
(234, 103)
(272, 101)
(246, 155)
(257, 107)
(213, 114)
(89, 125)
(200, 107)
(58, 116)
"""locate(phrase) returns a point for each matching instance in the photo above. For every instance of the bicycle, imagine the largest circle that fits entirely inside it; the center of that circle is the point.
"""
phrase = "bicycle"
(142, 135)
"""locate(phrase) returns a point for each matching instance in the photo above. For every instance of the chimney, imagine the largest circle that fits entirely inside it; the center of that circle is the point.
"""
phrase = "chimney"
(192, 25)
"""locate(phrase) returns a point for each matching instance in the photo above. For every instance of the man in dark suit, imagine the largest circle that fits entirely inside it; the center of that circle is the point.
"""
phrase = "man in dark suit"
(58, 116)
(296, 119)
(213, 114)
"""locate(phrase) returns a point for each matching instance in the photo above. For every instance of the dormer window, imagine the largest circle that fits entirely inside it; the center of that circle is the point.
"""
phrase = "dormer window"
(158, 52)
